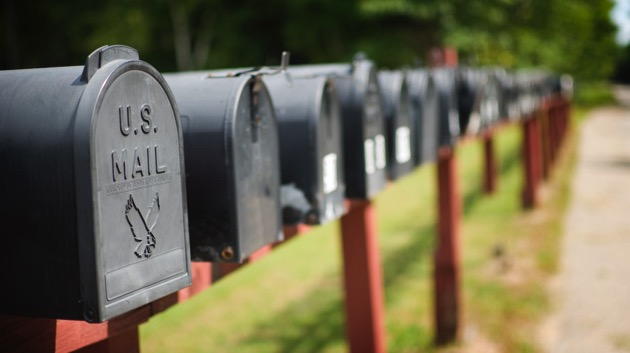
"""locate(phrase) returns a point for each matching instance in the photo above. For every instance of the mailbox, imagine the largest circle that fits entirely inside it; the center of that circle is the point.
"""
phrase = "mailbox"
(485, 109)
(566, 86)
(401, 135)
(490, 101)
(311, 151)
(94, 199)
(363, 125)
(447, 84)
(424, 98)
(509, 104)
(233, 167)
(467, 94)
(528, 97)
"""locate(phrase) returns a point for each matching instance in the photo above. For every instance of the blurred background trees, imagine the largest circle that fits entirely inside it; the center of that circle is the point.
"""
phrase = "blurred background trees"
(572, 36)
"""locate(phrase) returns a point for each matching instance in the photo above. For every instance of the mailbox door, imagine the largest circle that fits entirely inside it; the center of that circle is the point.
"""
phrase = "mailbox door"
(490, 101)
(133, 161)
(397, 111)
(254, 151)
(446, 84)
(424, 99)
(330, 160)
(311, 155)
(233, 176)
(374, 143)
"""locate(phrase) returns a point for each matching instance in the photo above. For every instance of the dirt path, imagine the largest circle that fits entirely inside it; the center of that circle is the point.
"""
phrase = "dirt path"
(592, 290)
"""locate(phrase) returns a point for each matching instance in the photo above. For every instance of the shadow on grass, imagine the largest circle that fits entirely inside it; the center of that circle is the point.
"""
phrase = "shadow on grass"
(308, 324)
(506, 164)
(397, 263)
(316, 321)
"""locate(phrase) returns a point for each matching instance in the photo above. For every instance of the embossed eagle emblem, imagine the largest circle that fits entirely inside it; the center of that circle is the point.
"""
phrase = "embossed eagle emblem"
(142, 226)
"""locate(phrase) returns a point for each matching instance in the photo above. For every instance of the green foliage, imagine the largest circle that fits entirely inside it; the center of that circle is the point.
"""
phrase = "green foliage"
(590, 94)
(572, 36)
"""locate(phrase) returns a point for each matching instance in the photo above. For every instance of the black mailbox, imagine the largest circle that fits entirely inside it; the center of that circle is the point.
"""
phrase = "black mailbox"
(397, 109)
(527, 96)
(467, 94)
(311, 151)
(424, 97)
(485, 110)
(94, 213)
(233, 167)
(447, 82)
(363, 125)
(509, 103)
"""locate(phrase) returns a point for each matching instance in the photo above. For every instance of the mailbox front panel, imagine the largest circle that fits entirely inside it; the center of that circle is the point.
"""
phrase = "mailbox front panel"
(233, 172)
(374, 143)
(489, 101)
(446, 82)
(401, 143)
(311, 152)
(424, 97)
(255, 154)
(136, 160)
(467, 92)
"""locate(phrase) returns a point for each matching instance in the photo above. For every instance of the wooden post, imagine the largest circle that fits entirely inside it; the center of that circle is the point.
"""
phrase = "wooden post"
(490, 164)
(124, 342)
(531, 162)
(201, 279)
(363, 279)
(446, 257)
(544, 133)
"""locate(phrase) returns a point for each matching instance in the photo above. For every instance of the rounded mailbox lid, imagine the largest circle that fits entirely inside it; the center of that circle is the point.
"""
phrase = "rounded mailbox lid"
(137, 196)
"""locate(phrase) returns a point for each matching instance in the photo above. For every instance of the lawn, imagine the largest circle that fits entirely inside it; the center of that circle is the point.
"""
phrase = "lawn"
(292, 300)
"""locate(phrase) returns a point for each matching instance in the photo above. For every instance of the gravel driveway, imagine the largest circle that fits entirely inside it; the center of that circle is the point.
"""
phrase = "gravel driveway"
(591, 292)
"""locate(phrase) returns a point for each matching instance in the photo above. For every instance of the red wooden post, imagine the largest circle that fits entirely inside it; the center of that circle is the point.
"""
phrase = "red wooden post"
(363, 279)
(446, 257)
(531, 162)
(543, 133)
(490, 164)
(125, 342)
(202, 278)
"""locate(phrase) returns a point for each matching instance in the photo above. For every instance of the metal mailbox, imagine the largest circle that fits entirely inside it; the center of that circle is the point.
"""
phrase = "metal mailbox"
(485, 109)
(397, 109)
(527, 94)
(509, 103)
(94, 204)
(233, 166)
(424, 98)
(447, 84)
(467, 94)
(311, 151)
(363, 124)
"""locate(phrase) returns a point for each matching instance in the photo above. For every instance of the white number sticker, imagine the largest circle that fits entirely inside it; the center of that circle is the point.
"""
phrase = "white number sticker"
(403, 144)
(381, 158)
(330, 172)
(368, 145)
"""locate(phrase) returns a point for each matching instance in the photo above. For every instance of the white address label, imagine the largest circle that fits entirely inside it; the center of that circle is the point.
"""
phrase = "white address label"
(368, 146)
(403, 144)
(329, 168)
(381, 158)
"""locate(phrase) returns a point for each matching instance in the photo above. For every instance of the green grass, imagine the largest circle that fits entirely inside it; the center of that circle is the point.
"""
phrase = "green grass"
(292, 300)
(591, 94)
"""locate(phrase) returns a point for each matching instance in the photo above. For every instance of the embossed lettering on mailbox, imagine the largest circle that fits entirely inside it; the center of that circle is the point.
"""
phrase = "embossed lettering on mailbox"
(140, 196)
